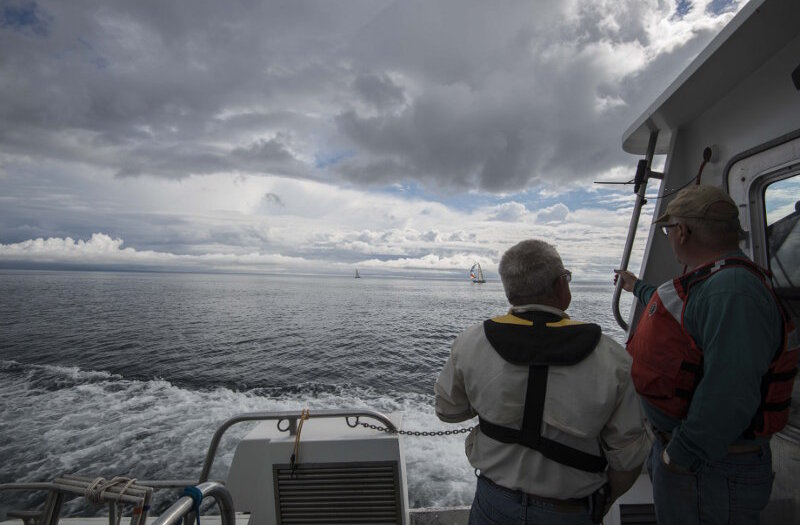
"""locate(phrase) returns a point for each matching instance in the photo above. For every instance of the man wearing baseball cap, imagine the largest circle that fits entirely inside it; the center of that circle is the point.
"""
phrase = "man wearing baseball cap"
(711, 365)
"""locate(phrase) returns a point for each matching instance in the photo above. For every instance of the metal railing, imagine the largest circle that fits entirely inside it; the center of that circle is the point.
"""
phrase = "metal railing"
(58, 490)
(291, 417)
(185, 506)
(643, 173)
(140, 493)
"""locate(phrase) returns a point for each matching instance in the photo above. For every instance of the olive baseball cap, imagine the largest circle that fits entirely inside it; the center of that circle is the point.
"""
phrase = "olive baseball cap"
(700, 202)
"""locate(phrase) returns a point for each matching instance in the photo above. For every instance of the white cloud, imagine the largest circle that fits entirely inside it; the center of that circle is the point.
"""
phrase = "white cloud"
(102, 250)
(555, 213)
(509, 212)
(441, 239)
(275, 137)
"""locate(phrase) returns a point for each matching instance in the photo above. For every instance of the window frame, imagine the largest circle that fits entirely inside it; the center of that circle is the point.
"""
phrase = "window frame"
(748, 175)
(758, 189)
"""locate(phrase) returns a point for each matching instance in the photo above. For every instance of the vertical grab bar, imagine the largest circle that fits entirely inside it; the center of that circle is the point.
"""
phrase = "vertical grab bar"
(640, 188)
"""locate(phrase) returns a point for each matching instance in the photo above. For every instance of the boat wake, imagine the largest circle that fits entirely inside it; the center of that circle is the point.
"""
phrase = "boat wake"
(91, 422)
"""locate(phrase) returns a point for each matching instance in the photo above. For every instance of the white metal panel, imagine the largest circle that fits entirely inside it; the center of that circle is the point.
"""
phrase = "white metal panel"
(322, 441)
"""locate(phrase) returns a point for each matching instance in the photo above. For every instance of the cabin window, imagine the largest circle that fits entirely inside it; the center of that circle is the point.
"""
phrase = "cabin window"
(782, 207)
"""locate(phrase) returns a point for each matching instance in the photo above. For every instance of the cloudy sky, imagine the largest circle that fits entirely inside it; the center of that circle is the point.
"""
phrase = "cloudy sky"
(320, 136)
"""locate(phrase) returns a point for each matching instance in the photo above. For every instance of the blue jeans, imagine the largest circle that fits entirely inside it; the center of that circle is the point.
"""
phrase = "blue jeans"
(494, 505)
(732, 491)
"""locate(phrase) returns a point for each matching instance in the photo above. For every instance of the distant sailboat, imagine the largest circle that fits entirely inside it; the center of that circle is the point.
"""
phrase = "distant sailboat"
(356, 275)
(476, 274)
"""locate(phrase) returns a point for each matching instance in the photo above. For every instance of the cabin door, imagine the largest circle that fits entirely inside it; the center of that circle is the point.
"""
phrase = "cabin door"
(765, 182)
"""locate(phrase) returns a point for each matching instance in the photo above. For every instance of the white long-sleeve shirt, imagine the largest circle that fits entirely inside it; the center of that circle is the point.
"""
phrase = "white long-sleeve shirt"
(591, 406)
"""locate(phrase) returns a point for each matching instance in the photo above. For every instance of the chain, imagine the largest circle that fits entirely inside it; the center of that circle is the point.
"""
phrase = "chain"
(418, 432)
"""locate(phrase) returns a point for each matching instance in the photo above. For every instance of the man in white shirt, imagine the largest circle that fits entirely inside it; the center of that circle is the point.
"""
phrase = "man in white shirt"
(561, 432)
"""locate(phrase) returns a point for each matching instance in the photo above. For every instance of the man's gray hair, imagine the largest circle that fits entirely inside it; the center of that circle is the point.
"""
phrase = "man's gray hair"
(529, 271)
(718, 234)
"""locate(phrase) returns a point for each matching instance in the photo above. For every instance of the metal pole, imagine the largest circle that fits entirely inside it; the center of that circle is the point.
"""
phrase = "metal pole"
(112, 513)
(52, 508)
(637, 211)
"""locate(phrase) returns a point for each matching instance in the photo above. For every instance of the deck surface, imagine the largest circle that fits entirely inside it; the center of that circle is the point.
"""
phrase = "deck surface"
(430, 516)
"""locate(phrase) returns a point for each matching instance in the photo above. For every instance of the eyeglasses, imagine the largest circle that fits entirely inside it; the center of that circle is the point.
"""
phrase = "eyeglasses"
(567, 275)
(665, 228)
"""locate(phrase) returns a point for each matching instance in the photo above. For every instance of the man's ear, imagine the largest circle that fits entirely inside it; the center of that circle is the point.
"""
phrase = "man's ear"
(563, 293)
(683, 233)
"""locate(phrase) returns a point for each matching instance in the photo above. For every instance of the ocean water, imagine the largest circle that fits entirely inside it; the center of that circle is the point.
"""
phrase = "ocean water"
(130, 374)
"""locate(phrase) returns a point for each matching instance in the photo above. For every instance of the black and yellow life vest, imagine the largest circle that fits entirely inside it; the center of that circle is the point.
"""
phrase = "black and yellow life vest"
(540, 340)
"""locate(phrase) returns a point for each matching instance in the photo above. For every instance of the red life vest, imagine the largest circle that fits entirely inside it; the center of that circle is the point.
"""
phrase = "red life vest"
(668, 363)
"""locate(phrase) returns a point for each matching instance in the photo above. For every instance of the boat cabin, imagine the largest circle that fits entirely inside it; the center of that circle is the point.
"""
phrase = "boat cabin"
(732, 119)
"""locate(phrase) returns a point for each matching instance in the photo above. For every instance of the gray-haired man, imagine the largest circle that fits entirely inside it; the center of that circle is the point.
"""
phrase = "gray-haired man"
(559, 419)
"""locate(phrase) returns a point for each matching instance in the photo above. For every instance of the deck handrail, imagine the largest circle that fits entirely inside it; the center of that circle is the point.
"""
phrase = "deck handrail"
(70, 485)
(291, 416)
(186, 504)
(634, 224)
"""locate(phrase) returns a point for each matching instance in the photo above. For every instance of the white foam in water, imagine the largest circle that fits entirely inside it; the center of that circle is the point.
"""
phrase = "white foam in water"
(73, 372)
(99, 424)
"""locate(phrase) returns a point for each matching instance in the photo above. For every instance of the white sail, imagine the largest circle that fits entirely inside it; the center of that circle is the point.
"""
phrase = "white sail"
(476, 273)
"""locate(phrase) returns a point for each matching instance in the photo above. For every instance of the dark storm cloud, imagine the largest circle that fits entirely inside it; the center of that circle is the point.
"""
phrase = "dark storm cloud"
(165, 89)
(23, 17)
(264, 151)
(513, 97)
(441, 140)
(379, 90)
(458, 95)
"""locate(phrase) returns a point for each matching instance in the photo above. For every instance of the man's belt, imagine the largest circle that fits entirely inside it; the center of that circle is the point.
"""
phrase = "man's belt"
(559, 505)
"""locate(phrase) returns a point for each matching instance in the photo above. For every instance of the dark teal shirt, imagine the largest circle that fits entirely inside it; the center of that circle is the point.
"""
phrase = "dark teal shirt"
(734, 320)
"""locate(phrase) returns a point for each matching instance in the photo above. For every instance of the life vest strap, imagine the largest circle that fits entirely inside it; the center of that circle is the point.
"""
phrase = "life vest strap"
(530, 435)
(687, 280)
(782, 377)
(534, 404)
(777, 407)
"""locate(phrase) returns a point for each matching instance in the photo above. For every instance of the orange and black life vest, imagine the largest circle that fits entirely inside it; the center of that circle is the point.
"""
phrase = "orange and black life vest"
(539, 340)
(668, 363)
